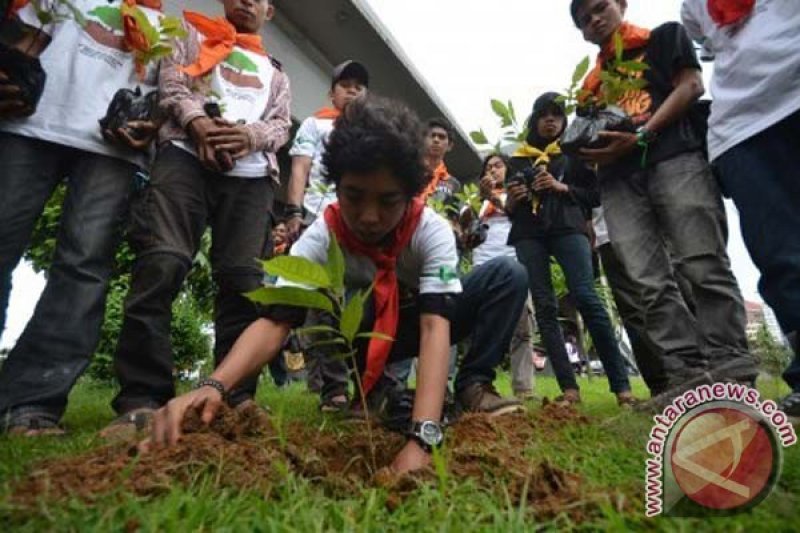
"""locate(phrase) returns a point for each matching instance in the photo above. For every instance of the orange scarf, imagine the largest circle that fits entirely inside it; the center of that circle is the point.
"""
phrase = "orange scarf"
(633, 37)
(134, 38)
(728, 12)
(385, 290)
(15, 6)
(439, 175)
(491, 209)
(221, 37)
(328, 112)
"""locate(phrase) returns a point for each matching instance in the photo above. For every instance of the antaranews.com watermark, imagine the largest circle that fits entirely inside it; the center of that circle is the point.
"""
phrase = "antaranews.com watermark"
(716, 449)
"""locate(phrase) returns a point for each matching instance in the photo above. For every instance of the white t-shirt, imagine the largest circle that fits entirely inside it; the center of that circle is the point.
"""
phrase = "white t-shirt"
(496, 243)
(600, 228)
(85, 68)
(241, 86)
(310, 142)
(756, 81)
(431, 252)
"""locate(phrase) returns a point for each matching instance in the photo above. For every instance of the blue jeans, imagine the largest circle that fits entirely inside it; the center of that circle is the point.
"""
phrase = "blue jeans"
(486, 312)
(761, 176)
(60, 338)
(574, 255)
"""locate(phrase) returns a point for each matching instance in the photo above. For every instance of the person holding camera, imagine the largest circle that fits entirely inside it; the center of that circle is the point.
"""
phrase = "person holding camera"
(489, 239)
(550, 197)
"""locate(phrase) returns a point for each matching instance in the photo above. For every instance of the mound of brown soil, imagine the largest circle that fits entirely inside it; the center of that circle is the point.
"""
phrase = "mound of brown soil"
(242, 449)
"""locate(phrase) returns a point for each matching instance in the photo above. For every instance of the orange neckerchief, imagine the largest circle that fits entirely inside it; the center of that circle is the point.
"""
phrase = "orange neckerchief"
(134, 38)
(385, 289)
(492, 209)
(633, 37)
(221, 37)
(328, 112)
(728, 12)
(15, 6)
(439, 175)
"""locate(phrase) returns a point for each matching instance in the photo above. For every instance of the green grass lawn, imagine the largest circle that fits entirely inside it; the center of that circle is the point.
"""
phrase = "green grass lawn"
(608, 453)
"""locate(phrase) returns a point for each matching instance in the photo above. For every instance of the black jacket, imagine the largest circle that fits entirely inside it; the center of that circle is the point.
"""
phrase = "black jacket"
(558, 213)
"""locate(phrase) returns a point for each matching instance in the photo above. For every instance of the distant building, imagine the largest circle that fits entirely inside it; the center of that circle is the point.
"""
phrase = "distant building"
(772, 325)
(755, 318)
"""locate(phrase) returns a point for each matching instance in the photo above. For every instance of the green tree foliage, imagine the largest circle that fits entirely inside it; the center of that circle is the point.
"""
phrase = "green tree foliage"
(774, 357)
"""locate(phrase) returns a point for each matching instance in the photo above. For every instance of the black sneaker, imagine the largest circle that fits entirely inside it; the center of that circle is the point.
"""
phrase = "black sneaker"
(736, 369)
(680, 383)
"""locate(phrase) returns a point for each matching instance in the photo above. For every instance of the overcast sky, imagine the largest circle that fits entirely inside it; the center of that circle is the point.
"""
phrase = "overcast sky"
(471, 51)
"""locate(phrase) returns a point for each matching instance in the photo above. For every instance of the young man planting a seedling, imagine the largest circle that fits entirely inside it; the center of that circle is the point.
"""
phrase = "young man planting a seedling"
(753, 139)
(656, 184)
(86, 62)
(308, 191)
(227, 103)
(407, 254)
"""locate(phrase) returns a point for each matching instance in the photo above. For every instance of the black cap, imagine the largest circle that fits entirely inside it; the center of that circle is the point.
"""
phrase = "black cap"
(350, 70)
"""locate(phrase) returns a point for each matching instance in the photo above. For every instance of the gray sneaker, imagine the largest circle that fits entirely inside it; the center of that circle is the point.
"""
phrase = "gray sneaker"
(791, 407)
(678, 384)
(484, 398)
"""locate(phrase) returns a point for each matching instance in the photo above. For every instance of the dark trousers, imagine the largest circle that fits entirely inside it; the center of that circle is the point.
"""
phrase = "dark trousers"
(168, 221)
(486, 312)
(678, 202)
(761, 176)
(61, 337)
(573, 253)
(623, 289)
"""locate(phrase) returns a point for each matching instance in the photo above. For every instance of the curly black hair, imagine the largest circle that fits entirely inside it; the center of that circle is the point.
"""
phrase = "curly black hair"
(377, 133)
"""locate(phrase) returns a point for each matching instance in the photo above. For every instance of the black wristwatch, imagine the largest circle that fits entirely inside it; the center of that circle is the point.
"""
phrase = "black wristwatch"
(213, 383)
(427, 433)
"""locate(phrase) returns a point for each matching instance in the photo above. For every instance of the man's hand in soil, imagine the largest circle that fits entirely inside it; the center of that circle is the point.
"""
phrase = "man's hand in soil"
(200, 129)
(231, 138)
(168, 420)
(11, 104)
(412, 457)
(620, 144)
(546, 182)
(146, 131)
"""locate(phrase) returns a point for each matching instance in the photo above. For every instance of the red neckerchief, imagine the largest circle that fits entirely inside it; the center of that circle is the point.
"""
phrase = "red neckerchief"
(385, 290)
(328, 112)
(633, 37)
(728, 12)
(221, 37)
(439, 175)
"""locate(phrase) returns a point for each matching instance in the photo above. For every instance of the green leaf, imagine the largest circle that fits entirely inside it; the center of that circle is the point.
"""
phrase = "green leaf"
(479, 137)
(315, 330)
(110, 16)
(632, 66)
(580, 71)
(298, 270)
(352, 315)
(511, 113)
(148, 30)
(501, 111)
(375, 335)
(292, 296)
(331, 342)
(619, 46)
(241, 62)
(335, 266)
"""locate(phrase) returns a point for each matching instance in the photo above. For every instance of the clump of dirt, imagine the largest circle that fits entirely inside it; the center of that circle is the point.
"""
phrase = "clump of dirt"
(241, 449)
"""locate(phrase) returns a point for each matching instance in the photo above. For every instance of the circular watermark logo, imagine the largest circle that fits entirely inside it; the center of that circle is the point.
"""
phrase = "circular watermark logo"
(715, 450)
(725, 458)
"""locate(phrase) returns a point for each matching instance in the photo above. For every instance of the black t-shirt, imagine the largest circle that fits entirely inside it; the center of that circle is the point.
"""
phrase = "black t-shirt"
(669, 51)
(558, 214)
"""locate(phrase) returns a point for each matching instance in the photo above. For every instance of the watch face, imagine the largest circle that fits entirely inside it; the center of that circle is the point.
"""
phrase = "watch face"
(431, 433)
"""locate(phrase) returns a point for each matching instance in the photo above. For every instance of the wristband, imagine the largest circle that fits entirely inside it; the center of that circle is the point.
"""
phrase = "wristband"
(216, 384)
